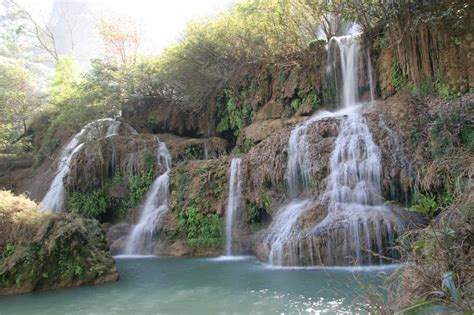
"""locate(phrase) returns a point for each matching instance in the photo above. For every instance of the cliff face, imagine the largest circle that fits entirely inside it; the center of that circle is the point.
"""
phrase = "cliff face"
(431, 50)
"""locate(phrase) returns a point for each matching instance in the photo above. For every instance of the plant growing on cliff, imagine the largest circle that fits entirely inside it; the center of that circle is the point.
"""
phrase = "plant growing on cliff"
(230, 116)
(138, 186)
(200, 229)
(397, 78)
(88, 205)
(425, 205)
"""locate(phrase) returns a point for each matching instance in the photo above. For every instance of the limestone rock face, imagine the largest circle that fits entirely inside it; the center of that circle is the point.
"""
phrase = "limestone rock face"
(42, 250)
(154, 115)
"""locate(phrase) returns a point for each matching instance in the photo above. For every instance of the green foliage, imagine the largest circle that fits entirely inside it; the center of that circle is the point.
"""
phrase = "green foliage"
(8, 251)
(96, 203)
(425, 205)
(68, 267)
(295, 104)
(200, 229)
(64, 84)
(196, 189)
(425, 306)
(444, 91)
(282, 76)
(230, 116)
(152, 119)
(430, 205)
(89, 205)
(18, 100)
(313, 99)
(148, 160)
(397, 78)
(423, 90)
(245, 146)
(194, 152)
(450, 132)
(257, 214)
(138, 186)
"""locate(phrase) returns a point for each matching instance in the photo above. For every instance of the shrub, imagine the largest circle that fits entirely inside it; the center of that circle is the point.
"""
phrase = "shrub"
(200, 229)
(230, 116)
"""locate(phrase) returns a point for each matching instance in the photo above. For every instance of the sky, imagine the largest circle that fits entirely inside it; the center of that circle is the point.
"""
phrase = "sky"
(161, 22)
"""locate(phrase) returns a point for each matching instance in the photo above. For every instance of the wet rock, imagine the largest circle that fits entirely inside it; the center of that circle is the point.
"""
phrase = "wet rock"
(117, 231)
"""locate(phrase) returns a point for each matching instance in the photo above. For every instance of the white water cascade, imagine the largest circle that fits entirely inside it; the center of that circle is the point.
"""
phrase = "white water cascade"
(354, 183)
(233, 202)
(55, 198)
(349, 47)
(283, 230)
(357, 224)
(152, 212)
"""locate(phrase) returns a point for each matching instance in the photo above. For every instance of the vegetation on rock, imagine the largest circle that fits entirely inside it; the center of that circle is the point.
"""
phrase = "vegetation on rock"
(40, 250)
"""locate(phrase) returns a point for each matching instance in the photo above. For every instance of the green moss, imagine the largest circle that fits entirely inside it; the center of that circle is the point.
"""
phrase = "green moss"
(148, 160)
(423, 90)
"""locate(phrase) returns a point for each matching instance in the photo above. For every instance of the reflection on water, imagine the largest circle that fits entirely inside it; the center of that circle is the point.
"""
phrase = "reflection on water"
(204, 286)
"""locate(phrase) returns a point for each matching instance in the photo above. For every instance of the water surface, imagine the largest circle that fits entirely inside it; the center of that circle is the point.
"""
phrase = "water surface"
(204, 286)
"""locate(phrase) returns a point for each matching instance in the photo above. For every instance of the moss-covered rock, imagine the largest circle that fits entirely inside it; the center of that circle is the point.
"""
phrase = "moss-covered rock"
(40, 250)
(198, 197)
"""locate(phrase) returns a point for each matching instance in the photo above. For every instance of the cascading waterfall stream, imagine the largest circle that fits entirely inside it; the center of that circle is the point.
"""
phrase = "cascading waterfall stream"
(233, 202)
(349, 47)
(298, 182)
(354, 182)
(156, 206)
(55, 198)
(357, 222)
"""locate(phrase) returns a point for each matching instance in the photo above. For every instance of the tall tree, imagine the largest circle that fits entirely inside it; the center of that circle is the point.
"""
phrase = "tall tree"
(121, 39)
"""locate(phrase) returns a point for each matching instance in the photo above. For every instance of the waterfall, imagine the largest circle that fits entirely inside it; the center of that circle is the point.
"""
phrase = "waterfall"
(370, 77)
(349, 47)
(299, 162)
(152, 212)
(113, 129)
(55, 198)
(298, 181)
(284, 233)
(357, 223)
(233, 202)
(354, 182)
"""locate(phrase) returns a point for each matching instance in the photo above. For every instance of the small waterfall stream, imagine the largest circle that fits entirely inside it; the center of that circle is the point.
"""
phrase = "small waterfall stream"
(357, 222)
(233, 202)
(55, 198)
(156, 205)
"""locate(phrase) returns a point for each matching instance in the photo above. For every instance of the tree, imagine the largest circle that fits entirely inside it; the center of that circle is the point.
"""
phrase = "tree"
(38, 33)
(121, 39)
(17, 102)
